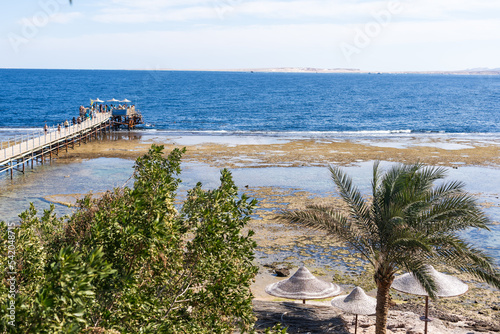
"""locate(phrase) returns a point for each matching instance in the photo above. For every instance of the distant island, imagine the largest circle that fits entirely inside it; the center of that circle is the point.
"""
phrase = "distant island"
(472, 71)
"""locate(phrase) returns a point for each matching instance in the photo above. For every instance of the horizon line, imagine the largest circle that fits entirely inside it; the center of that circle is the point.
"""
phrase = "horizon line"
(473, 71)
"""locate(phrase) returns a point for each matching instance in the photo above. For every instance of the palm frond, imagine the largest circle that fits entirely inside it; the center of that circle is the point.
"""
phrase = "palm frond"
(432, 174)
(414, 184)
(393, 190)
(334, 223)
(375, 176)
(416, 181)
(490, 277)
(319, 219)
(421, 197)
(408, 246)
(376, 207)
(412, 245)
(455, 213)
(456, 253)
(359, 210)
(446, 189)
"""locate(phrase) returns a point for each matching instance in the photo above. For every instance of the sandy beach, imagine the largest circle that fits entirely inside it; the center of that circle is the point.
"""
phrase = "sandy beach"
(288, 246)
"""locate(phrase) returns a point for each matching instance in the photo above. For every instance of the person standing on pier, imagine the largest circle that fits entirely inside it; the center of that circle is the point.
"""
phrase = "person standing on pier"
(45, 128)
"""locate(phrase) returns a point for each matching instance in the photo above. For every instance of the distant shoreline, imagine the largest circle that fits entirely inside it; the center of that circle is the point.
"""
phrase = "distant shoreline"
(481, 71)
(342, 71)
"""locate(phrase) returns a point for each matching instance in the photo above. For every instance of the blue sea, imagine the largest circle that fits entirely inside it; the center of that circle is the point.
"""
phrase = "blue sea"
(261, 105)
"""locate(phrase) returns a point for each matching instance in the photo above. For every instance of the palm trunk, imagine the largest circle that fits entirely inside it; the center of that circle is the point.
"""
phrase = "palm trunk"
(382, 309)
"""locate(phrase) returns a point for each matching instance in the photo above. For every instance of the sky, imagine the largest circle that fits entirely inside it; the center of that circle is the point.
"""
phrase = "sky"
(395, 35)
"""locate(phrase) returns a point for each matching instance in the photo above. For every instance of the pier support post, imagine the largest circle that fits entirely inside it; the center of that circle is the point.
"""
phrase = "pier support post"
(53, 141)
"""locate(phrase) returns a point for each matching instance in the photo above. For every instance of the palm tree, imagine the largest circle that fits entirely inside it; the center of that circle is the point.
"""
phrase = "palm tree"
(409, 222)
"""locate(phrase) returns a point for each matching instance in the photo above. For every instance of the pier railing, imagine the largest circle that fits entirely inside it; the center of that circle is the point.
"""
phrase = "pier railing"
(15, 147)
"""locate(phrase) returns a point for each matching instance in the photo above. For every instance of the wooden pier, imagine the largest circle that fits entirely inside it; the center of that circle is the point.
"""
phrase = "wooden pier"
(17, 155)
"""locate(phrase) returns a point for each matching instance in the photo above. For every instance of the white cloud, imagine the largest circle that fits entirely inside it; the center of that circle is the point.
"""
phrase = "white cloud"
(141, 4)
(403, 33)
(145, 16)
(42, 18)
(156, 11)
(150, 11)
(403, 46)
(258, 33)
(422, 10)
(65, 18)
(297, 10)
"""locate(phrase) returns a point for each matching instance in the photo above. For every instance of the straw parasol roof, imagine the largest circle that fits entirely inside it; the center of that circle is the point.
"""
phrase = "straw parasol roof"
(113, 100)
(98, 100)
(357, 302)
(447, 286)
(125, 101)
(303, 285)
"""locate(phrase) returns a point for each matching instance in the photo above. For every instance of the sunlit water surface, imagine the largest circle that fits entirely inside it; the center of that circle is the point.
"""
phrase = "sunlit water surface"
(101, 174)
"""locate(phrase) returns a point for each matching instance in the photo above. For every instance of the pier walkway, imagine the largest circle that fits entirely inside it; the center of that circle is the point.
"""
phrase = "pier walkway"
(40, 146)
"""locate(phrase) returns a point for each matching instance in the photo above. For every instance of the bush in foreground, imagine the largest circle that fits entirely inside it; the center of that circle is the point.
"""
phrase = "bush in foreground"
(130, 262)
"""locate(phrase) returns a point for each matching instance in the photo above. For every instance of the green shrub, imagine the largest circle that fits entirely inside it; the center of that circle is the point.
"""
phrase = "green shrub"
(131, 262)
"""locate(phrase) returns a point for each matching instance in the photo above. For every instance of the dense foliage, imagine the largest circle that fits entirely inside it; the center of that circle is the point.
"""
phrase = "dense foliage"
(408, 223)
(130, 262)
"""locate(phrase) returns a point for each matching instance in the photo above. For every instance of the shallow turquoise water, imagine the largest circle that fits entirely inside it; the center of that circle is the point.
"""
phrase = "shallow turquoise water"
(101, 174)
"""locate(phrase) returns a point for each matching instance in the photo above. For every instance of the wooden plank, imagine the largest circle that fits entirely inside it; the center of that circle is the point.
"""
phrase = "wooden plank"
(38, 146)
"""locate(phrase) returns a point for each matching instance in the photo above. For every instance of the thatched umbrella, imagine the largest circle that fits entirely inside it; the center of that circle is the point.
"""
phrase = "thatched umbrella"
(303, 285)
(446, 286)
(357, 302)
